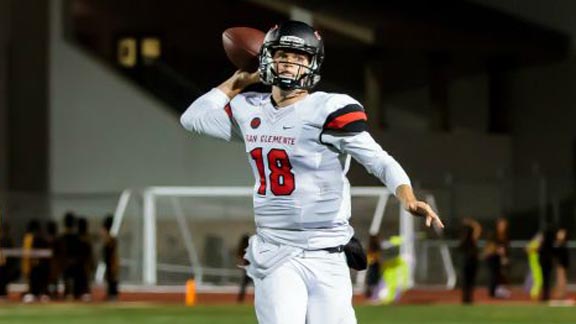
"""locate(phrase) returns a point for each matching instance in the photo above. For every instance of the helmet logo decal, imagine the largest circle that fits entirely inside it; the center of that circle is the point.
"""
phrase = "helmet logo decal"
(292, 39)
(255, 123)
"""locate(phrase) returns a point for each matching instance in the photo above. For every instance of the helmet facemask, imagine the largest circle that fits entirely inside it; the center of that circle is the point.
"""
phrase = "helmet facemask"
(306, 76)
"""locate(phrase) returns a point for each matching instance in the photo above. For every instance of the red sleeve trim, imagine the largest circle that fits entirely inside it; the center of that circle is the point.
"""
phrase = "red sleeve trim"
(228, 110)
(343, 120)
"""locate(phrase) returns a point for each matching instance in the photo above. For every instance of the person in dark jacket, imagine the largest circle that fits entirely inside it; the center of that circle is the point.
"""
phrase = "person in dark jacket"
(8, 266)
(469, 249)
(374, 271)
(86, 254)
(246, 280)
(35, 269)
(562, 257)
(111, 259)
(69, 249)
(546, 260)
(54, 271)
(496, 256)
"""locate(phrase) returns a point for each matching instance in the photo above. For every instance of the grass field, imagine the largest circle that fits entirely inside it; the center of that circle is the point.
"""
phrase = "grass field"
(140, 313)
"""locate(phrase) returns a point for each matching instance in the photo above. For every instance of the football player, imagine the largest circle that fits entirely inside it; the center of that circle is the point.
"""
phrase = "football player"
(299, 145)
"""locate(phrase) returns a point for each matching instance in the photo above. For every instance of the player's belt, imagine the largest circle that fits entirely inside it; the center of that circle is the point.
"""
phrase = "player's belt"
(335, 249)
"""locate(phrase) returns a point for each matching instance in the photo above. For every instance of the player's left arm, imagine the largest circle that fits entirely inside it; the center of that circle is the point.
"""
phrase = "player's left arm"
(346, 130)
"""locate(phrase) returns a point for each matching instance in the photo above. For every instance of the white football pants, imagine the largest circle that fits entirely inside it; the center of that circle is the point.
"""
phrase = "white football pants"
(311, 288)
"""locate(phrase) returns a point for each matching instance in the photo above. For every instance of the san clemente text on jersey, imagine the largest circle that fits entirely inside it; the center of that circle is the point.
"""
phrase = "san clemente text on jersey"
(270, 139)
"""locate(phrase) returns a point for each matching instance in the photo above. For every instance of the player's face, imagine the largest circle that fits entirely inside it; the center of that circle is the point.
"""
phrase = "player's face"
(291, 64)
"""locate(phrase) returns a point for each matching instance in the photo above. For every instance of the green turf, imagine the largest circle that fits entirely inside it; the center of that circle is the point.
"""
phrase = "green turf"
(147, 313)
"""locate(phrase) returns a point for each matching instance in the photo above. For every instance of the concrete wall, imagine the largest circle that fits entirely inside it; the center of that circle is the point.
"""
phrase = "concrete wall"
(468, 102)
(107, 135)
(544, 100)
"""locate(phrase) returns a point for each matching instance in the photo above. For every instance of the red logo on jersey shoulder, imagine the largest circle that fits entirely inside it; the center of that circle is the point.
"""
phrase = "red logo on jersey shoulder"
(255, 123)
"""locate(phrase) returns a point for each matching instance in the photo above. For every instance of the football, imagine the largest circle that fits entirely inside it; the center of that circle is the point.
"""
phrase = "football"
(242, 45)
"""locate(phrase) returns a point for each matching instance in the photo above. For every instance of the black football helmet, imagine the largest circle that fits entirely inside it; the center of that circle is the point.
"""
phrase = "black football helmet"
(292, 36)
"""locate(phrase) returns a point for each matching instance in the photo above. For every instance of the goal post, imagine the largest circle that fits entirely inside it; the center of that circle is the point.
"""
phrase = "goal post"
(180, 215)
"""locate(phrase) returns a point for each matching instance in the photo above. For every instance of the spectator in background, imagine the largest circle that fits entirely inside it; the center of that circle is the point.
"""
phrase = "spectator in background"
(42, 269)
(546, 260)
(69, 248)
(54, 272)
(394, 279)
(492, 256)
(8, 268)
(534, 279)
(503, 245)
(496, 255)
(34, 268)
(469, 249)
(3, 267)
(82, 288)
(374, 271)
(562, 262)
(111, 259)
(3, 277)
(246, 280)
(27, 240)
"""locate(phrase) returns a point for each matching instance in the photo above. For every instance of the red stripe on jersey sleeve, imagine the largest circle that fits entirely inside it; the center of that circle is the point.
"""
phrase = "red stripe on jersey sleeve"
(341, 121)
(228, 110)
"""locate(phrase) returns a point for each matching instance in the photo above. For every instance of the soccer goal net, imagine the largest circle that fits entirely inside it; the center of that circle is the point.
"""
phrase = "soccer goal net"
(168, 234)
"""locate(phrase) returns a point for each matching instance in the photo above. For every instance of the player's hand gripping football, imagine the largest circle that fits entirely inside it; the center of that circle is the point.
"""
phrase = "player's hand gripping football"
(242, 79)
(238, 82)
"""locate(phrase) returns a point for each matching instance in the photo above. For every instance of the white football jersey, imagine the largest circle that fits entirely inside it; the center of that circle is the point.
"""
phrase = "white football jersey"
(299, 155)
